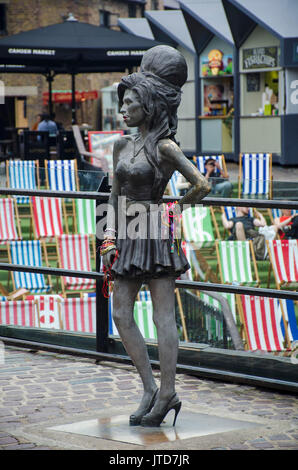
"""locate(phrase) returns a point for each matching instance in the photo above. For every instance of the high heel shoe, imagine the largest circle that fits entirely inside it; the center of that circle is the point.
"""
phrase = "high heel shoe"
(136, 418)
(154, 419)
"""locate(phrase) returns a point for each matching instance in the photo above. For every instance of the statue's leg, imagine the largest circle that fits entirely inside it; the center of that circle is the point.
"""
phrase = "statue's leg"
(124, 294)
(163, 299)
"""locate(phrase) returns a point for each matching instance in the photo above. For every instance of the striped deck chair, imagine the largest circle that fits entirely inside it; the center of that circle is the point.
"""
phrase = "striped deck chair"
(22, 174)
(276, 213)
(200, 269)
(172, 185)
(230, 212)
(48, 312)
(283, 255)
(200, 162)
(17, 312)
(289, 317)
(198, 228)
(143, 315)
(234, 261)
(62, 175)
(10, 228)
(47, 218)
(86, 216)
(78, 314)
(74, 253)
(29, 253)
(261, 318)
(255, 175)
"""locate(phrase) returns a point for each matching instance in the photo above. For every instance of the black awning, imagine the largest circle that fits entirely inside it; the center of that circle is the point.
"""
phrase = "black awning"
(76, 46)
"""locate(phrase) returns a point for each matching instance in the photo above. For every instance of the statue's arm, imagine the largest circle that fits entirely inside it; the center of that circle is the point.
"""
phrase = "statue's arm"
(173, 155)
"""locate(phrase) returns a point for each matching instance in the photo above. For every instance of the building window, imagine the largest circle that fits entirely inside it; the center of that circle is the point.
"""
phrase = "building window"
(132, 10)
(104, 18)
(2, 19)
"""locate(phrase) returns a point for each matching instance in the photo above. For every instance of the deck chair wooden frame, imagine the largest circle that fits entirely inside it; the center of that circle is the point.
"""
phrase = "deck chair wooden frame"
(241, 180)
(261, 323)
(285, 275)
(249, 252)
(67, 280)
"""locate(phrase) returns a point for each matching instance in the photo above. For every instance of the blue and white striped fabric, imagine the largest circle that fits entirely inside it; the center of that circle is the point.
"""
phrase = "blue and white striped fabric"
(256, 173)
(28, 252)
(200, 162)
(290, 317)
(173, 184)
(62, 175)
(276, 213)
(22, 175)
(231, 212)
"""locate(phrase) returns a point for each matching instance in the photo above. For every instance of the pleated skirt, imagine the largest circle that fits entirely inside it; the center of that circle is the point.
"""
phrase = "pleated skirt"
(149, 257)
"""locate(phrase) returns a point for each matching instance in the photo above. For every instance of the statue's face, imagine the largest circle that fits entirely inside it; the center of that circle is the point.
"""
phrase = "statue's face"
(132, 109)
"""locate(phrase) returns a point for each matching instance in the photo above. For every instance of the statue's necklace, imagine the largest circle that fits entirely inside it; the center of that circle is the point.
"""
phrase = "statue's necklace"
(135, 154)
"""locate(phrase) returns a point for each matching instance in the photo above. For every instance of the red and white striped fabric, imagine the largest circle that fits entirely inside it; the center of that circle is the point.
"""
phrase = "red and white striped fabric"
(75, 255)
(8, 230)
(47, 217)
(17, 312)
(79, 314)
(47, 311)
(284, 259)
(262, 322)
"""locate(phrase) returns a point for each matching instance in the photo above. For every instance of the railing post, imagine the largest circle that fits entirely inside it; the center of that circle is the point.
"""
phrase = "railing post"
(102, 303)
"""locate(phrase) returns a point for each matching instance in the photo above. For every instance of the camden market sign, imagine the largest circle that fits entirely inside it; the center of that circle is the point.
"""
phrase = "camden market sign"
(260, 58)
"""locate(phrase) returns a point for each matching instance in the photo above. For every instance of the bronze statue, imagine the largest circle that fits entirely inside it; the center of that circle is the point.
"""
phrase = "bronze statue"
(143, 165)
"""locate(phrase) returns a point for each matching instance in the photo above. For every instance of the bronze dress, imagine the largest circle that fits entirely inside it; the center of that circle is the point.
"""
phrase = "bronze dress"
(153, 253)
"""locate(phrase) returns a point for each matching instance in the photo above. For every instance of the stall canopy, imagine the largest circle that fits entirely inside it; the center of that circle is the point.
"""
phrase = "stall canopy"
(72, 47)
(170, 26)
(205, 20)
(137, 26)
(279, 17)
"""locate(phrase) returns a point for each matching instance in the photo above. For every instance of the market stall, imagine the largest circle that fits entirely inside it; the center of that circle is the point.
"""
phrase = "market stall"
(216, 78)
(268, 65)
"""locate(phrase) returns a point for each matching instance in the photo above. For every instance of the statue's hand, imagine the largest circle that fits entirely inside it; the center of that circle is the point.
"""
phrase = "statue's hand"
(108, 258)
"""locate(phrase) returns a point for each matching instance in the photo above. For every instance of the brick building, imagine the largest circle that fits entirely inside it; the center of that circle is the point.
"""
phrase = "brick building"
(25, 93)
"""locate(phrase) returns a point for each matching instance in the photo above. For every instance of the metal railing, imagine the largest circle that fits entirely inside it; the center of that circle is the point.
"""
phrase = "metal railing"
(102, 337)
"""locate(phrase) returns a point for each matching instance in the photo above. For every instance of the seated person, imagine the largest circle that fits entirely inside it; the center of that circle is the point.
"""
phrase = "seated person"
(219, 179)
(243, 226)
(287, 225)
(46, 124)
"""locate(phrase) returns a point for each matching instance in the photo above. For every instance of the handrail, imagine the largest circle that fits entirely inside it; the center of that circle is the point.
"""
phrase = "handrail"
(208, 201)
(207, 286)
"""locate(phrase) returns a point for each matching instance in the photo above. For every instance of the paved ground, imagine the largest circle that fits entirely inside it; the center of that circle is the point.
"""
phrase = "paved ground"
(40, 390)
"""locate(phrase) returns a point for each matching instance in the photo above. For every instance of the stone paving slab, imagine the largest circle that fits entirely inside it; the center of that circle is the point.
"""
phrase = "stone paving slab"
(41, 390)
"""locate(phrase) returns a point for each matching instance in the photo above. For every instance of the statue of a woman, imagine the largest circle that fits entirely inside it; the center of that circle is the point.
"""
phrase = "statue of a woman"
(143, 165)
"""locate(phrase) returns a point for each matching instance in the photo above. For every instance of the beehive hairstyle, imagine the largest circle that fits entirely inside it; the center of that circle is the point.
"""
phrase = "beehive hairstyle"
(163, 72)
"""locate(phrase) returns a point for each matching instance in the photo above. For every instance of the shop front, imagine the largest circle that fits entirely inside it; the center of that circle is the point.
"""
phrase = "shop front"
(265, 34)
(216, 79)
(261, 96)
